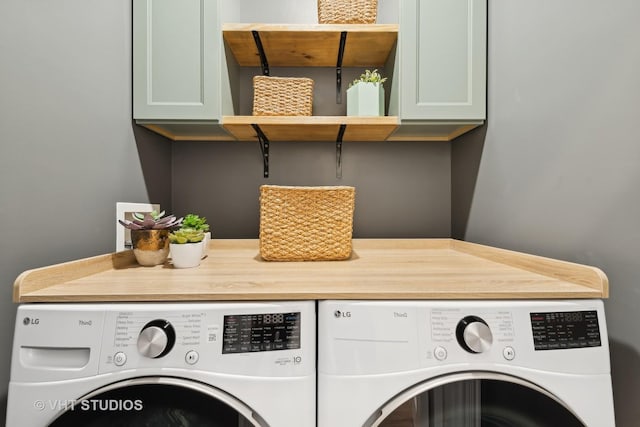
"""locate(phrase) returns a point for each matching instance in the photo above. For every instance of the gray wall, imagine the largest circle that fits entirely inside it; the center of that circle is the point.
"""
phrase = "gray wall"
(402, 189)
(555, 171)
(68, 149)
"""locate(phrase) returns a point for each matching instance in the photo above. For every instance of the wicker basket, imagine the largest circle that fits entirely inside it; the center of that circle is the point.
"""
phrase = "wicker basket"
(347, 11)
(306, 223)
(282, 96)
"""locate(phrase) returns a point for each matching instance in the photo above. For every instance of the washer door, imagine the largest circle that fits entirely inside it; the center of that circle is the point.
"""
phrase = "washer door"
(158, 401)
(475, 399)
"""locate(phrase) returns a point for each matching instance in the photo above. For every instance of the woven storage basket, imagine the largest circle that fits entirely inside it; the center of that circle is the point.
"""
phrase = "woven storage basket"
(282, 96)
(306, 223)
(347, 11)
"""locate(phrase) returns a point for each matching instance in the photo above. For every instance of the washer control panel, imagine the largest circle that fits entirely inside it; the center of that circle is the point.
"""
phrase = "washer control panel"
(557, 330)
(56, 342)
(226, 337)
(244, 333)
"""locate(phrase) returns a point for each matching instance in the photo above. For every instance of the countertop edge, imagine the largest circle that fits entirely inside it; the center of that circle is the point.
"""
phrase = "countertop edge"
(591, 282)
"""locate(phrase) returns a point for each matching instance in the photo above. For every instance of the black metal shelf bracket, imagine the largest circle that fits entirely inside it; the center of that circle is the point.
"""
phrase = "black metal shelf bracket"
(264, 149)
(343, 41)
(263, 57)
(339, 151)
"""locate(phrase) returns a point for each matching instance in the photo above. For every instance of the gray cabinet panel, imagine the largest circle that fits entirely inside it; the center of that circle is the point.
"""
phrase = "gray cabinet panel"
(176, 62)
(443, 59)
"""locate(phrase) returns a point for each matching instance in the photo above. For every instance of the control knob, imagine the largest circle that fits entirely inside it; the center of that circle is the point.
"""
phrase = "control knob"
(474, 334)
(156, 339)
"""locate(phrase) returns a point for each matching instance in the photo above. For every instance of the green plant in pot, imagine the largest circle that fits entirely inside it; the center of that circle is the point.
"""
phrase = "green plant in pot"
(198, 222)
(150, 236)
(365, 96)
(186, 247)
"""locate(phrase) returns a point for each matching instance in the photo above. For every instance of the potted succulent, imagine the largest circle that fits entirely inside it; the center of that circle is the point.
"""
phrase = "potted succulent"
(186, 247)
(150, 236)
(365, 96)
(197, 222)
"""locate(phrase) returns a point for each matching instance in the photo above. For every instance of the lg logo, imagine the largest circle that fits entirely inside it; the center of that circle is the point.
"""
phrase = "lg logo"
(29, 321)
(338, 314)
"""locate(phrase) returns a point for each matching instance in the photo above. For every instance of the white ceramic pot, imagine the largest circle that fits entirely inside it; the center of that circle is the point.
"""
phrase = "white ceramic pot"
(186, 255)
(206, 240)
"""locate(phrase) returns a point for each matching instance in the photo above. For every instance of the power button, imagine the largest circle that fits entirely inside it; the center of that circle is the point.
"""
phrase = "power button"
(440, 353)
(119, 359)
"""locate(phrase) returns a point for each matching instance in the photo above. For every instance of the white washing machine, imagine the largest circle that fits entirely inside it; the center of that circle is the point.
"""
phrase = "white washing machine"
(463, 364)
(164, 364)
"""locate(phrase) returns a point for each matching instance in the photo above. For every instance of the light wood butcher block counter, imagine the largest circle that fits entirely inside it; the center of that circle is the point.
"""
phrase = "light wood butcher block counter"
(378, 269)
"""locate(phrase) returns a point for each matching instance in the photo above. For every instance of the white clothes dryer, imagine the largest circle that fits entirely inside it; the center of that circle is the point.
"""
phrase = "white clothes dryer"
(164, 364)
(463, 364)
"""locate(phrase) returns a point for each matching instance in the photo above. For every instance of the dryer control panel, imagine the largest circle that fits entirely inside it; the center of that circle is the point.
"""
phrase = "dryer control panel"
(557, 330)
(379, 337)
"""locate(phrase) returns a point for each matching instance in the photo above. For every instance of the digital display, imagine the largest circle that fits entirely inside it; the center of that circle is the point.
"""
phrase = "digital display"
(246, 333)
(565, 330)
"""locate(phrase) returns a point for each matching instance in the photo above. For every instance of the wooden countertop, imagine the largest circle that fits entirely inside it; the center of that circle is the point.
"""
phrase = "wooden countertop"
(378, 269)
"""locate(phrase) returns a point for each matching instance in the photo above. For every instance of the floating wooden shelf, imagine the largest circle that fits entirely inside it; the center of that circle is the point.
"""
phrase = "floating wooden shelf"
(378, 269)
(311, 128)
(311, 45)
(302, 46)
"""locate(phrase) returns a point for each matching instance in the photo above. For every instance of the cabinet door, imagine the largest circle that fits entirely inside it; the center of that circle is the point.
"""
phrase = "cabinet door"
(443, 59)
(176, 60)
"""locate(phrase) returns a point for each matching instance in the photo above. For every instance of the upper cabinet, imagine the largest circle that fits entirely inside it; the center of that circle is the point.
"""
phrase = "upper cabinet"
(193, 63)
(176, 67)
(440, 76)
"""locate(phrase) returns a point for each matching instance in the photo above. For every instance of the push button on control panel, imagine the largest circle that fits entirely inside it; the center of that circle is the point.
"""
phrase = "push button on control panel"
(509, 353)
(192, 357)
(119, 359)
(440, 353)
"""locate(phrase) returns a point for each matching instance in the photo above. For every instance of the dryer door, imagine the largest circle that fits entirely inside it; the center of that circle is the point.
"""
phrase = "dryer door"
(474, 399)
(158, 401)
